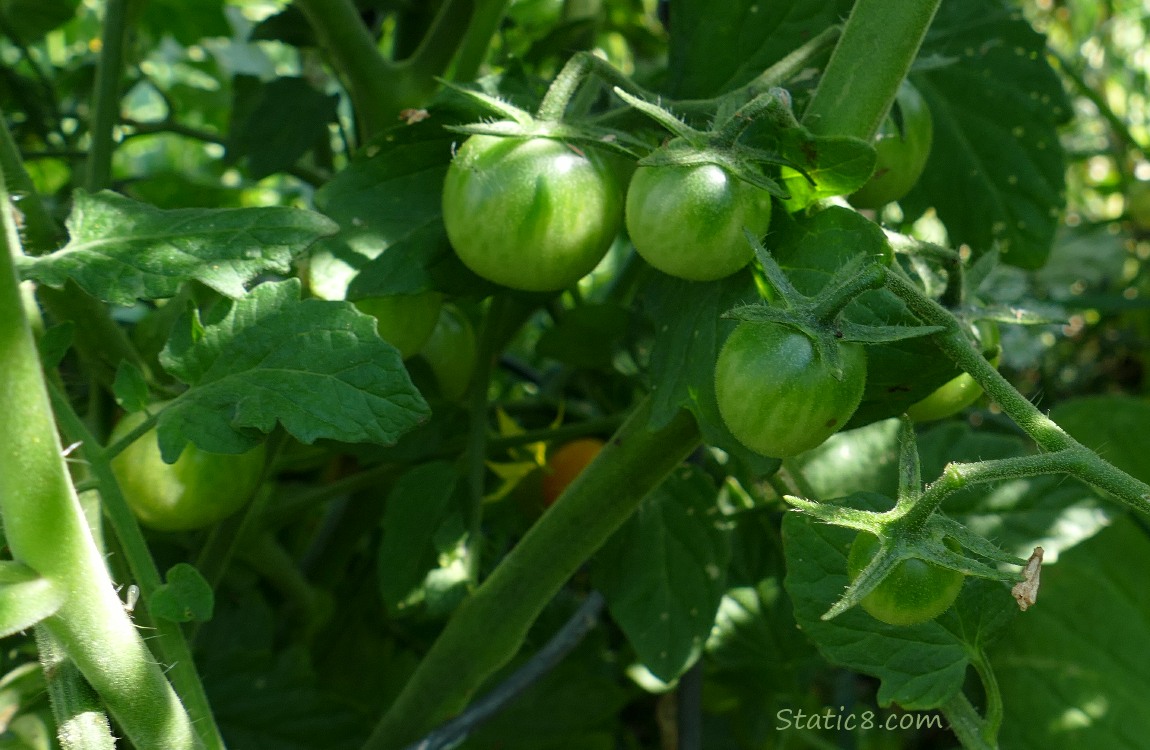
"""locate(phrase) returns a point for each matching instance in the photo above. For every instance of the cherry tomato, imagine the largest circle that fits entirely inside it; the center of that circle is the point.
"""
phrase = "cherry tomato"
(198, 490)
(565, 464)
(451, 352)
(776, 396)
(902, 151)
(915, 591)
(404, 320)
(688, 221)
(530, 213)
(955, 395)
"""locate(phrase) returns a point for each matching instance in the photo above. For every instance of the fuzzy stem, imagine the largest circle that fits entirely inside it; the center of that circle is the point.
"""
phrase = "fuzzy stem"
(853, 97)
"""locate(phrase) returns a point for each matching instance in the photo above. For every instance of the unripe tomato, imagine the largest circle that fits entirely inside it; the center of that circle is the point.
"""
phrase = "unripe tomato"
(688, 221)
(404, 320)
(902, 151)
(955, 395)
(530, 213)
(565, 464)
(776, 396)
(451, 352)
(915, 591)
(198, 490)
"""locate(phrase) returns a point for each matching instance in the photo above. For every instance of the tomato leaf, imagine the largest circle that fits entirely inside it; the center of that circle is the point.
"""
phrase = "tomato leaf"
(184, 597)
(716, 47)
(316, 367)
(25, 598)
(274, 123)
(130, 387)
(1082, 646)
(996, 170)
(419, 559)
(838, 166)
(663, 573)
(121, 250)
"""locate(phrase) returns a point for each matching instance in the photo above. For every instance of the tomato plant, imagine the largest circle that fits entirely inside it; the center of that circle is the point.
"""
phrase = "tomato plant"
(198, 490)
(915, 592)
(566, 463)
(903, 145)
(533, 214)
(961, 391)
(776, 396)
(189, 207)
(689, 221)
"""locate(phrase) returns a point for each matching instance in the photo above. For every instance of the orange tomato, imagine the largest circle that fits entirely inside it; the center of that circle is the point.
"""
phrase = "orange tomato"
(565, 464)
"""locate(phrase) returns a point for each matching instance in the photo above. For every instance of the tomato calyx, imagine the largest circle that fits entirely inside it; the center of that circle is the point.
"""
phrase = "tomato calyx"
(912, 530)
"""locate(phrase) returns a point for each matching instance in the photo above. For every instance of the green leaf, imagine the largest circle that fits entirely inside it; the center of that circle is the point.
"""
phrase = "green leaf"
(920, 666)
(588, 335)
(663, 573)
(275, 123)
(716, 47)
(121, 250)
(689, 331)
(1112, 426)
(184, 597)
(996, 169)
(899, 373)
(420, 555)
(25, 598)
(130, 387)
(1075, 675)
(188, 23)
(838, 165)
(316, 367)
(390, 201)
(55, 343)
(28, 20)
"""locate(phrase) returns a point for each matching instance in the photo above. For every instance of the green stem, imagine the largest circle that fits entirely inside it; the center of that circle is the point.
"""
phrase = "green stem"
(80, 720)
(173, 647)
(473, 49)
(966, 724)
(106, 96)
(993, 694)
(853, 98)
(45, 529)
(1051, 438)
(39, 232)
(489, 628)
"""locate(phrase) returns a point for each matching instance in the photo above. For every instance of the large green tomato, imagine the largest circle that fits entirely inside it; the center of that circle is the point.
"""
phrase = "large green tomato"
(451, 352)
(902, 151)
(915, 591)
(404, 320)
(530, 213)
(198, 490)
(688, 221)
(776, 396)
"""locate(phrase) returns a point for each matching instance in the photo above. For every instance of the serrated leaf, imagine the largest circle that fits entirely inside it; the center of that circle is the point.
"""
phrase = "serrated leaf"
(121, 250)
(130, 387)
(996, 169)
(422, 529)
(184, 597)
(316, 367)
(25, 598)
(664, 572)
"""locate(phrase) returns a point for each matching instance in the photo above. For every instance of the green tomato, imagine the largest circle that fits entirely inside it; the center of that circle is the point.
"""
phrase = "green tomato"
(404, 320)
(688, 221)
(198, 490)
(451, 352)
(902, 151)
(776, 396)
(530, 213)
(915, 591)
